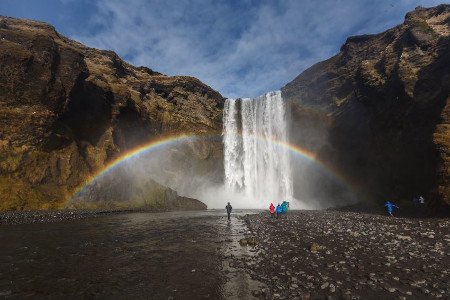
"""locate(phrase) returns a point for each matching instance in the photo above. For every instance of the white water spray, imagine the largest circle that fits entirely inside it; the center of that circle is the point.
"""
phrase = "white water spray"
(256, 166)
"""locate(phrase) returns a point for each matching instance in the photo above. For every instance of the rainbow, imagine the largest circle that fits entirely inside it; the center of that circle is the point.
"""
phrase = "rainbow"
(170, 140)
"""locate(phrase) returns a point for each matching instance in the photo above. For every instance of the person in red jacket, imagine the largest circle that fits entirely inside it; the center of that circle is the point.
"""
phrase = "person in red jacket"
(272, 210)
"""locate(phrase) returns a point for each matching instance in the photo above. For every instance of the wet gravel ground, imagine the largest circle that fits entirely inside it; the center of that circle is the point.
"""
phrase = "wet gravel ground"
(345, 255)
(51, 216)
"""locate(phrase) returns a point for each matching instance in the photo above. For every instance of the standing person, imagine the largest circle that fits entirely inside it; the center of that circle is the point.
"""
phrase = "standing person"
(390, 207)
(421, 201)
(284, 208)
(421, 205)
(279, 210)
(228, 208)
(272, 210)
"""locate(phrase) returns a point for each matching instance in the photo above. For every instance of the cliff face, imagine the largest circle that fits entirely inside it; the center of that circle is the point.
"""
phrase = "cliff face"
(66, 110)
(380, 109)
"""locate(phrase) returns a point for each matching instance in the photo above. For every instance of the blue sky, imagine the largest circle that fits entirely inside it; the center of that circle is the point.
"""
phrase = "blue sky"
(240, 48)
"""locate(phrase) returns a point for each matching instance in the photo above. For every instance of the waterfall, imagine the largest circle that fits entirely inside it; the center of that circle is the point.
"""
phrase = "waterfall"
(255, 161)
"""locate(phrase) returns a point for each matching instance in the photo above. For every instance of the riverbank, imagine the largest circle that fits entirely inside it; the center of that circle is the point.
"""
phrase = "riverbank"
(349, 255)
(51, 216)
(46, 216)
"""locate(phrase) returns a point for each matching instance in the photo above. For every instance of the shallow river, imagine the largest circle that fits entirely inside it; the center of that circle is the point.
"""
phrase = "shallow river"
(176, 255)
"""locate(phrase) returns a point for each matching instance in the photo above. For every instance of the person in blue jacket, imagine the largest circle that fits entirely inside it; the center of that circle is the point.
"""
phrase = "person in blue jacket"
(279, 210)
(390, 207)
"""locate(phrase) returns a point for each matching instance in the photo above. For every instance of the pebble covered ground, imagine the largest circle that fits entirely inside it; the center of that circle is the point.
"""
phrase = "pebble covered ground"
(50, 216)
(348, 255)
(29, 217)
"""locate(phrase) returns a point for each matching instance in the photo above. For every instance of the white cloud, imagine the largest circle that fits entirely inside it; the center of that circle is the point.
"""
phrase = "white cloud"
(241, 51)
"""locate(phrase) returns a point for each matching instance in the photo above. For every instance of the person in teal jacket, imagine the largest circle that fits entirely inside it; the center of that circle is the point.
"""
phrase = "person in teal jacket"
(284, 208)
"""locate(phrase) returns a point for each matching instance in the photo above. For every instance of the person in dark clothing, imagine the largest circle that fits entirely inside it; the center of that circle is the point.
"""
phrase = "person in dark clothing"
(228, 208)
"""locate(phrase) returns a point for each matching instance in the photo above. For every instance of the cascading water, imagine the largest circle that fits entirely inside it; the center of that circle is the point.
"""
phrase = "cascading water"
(255, 163)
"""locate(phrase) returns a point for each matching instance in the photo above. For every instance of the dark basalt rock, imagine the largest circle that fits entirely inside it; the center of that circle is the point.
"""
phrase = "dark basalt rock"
(381, 108)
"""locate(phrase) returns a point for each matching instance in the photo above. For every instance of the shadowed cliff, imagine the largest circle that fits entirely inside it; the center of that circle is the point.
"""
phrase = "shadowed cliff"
(379, 111)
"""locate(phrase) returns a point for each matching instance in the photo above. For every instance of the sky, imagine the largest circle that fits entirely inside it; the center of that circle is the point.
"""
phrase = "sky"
(240, 48)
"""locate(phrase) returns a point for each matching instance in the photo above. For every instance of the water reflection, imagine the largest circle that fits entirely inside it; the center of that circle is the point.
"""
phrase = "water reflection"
(136, 255)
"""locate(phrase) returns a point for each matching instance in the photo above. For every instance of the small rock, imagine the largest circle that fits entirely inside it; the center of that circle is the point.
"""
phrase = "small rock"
(324, 286)
(315, 247)
(403, 237)
(251, 241)
(421, 281)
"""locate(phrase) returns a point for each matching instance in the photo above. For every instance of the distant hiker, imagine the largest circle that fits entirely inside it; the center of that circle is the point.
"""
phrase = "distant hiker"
(279, 210)
(228, 208)
(390, 207)
(272, 210)
(422, 208)
(421, 201)
(416, 201)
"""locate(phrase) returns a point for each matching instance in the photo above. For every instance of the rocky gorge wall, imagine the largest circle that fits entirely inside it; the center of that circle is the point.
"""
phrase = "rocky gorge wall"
(379, 110)
(66, 110)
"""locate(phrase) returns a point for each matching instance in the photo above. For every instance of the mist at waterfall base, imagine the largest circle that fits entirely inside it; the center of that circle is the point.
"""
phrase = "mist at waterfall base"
(260, 168)
(257, 168)
(254, 169)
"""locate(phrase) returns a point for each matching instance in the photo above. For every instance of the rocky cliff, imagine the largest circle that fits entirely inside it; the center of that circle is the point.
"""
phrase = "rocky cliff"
(66, 110)
(379, 111)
